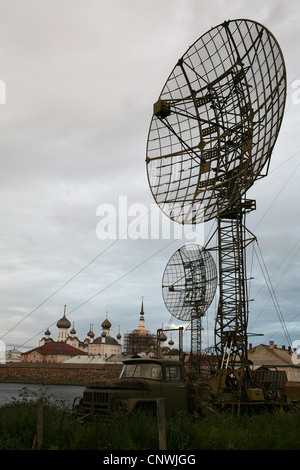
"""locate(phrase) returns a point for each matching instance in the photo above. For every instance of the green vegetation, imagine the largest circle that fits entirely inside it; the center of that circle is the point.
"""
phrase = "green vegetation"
(221, 431)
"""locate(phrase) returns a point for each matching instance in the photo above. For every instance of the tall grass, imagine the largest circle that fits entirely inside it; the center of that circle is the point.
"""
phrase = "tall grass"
(220, 431)
(223, 431)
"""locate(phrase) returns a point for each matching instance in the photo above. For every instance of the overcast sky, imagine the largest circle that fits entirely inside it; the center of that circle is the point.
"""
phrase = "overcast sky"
(81, 77)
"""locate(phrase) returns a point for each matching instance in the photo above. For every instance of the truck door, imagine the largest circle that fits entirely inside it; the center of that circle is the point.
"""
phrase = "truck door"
(174, 389)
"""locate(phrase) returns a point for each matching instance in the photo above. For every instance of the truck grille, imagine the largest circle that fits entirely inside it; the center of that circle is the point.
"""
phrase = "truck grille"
(97, 399)
(100, 397)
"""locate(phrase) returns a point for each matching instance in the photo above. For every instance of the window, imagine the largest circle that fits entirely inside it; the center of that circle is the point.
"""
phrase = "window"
(142, 370)
(173, 373)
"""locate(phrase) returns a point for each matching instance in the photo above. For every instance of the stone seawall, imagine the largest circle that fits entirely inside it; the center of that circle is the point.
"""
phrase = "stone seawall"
(57, 374)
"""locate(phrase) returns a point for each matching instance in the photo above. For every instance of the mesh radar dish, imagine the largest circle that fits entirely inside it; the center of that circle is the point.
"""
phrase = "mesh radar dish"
(216, 121)
(189, 282)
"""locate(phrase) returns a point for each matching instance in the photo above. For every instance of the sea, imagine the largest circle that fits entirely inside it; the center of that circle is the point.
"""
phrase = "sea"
(61, 394)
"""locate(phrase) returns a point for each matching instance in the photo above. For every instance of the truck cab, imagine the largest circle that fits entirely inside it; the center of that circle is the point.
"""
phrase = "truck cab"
(142, 381)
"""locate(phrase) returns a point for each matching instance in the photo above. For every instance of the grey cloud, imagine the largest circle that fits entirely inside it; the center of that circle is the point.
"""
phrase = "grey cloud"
(81, 82)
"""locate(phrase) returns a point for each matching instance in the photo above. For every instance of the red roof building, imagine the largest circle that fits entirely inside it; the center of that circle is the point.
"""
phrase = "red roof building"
(51, 352)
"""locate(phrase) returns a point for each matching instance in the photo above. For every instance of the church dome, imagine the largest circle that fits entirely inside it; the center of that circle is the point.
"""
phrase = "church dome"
(106, 340)
(63, 322)
(163, 337)
(106, 324)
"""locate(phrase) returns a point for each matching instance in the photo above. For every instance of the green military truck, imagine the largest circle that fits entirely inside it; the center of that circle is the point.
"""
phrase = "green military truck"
(143, 380)
(146, 382)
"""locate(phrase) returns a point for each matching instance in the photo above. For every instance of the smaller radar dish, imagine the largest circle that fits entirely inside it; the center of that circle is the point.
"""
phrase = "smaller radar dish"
(189, 282)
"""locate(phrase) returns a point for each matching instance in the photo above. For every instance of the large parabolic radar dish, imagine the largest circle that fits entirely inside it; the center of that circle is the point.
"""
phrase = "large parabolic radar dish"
(216, 121)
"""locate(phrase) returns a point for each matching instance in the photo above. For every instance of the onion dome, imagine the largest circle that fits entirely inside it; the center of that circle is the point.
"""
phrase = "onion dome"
(47, 332)
(106, 324)
(73, 331)
(163, 337)
(63, 322)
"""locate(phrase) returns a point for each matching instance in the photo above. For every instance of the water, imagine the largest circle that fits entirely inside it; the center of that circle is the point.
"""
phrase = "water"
(10, 392)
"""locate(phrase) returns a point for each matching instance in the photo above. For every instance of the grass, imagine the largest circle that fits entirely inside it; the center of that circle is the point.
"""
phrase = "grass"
(221, 431)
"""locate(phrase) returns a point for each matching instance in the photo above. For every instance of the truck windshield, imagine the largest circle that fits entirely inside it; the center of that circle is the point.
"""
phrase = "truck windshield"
(141, 370)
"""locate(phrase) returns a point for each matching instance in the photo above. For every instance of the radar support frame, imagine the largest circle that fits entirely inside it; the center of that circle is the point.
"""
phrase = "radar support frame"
(211, 137)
